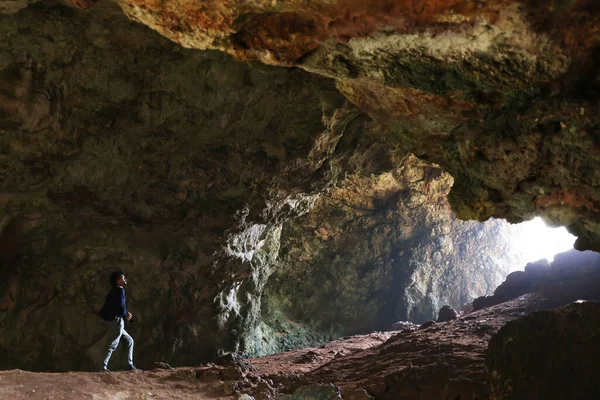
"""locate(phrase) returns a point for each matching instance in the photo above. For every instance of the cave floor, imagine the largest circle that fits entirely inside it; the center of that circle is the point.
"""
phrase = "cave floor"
(445, 360)
(156, 384)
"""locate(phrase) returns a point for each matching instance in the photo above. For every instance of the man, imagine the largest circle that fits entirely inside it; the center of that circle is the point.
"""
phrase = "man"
(115, 313)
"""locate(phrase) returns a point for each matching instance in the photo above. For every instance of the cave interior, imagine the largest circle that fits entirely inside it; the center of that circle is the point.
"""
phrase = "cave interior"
(310, 199)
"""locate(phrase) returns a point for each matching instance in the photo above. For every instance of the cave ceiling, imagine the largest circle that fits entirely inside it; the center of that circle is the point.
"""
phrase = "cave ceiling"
(501, 94)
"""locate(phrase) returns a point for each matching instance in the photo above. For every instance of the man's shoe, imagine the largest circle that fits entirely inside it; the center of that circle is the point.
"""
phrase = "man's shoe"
(131, 367)
(104, 369)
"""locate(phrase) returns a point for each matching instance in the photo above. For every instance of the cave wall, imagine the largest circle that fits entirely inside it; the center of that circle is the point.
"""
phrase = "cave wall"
(378, 250)
(123, 150)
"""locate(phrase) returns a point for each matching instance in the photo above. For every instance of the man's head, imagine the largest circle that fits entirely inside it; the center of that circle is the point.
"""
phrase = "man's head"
(117, 279)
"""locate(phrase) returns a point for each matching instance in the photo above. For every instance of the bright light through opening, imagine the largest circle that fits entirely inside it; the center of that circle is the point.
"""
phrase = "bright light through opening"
(534, 240)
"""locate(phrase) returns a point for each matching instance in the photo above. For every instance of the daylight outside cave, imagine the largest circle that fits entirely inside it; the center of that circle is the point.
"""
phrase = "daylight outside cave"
(535, 240)
(295, 191)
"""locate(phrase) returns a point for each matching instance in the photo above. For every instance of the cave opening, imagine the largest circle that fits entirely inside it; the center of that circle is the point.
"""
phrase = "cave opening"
(535, 241)
(388, 251)
(319, 303)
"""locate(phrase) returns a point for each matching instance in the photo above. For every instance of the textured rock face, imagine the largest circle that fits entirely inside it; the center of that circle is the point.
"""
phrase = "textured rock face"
(378, 250)
(559, 363)
(502, 94)
(447, 313)
(546, 277)
(13, 6)
(122, 150)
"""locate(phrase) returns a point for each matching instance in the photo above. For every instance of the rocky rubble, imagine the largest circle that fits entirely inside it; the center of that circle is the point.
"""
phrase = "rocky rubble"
(402, 325)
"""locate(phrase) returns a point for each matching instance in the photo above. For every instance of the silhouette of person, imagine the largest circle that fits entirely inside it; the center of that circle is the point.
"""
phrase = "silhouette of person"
(115, 313)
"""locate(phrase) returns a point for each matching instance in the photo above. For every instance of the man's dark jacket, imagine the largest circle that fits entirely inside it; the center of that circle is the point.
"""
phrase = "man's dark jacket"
(114, 306)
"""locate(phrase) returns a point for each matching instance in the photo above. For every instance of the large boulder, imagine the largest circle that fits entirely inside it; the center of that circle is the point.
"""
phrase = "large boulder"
(447, 313)
(550, 354)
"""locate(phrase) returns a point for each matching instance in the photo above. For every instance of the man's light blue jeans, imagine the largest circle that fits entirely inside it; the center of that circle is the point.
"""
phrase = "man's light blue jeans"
(116, 332)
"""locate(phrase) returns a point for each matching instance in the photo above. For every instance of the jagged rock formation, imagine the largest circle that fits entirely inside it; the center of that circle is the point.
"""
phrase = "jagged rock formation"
(560, 363)
(546, 277)
(378, 250)
(502, 94)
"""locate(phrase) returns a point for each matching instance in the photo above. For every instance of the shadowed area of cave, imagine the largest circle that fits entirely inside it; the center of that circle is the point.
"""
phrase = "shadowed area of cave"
(269, 188)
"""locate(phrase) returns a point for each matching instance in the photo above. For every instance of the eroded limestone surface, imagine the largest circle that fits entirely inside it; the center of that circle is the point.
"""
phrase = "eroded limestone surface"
(375, 251)
(559, 363)
(502, 94)
(122, 150)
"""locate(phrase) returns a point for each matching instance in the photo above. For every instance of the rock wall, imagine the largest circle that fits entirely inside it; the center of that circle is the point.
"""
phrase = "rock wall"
(501, 94)
(122, 150)
(380, 249)
(559, 363)
(544, 277)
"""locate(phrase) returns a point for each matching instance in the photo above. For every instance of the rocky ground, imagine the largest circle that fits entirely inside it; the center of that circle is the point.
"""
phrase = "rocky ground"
(445, 360)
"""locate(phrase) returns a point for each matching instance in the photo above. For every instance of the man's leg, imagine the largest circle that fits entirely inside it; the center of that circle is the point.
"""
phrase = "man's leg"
(129, 341)
(115, 331)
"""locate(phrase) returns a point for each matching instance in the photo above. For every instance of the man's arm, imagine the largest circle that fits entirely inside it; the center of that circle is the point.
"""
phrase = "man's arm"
(122, 312)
